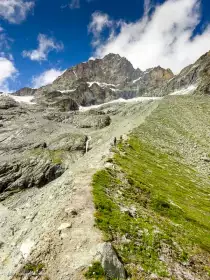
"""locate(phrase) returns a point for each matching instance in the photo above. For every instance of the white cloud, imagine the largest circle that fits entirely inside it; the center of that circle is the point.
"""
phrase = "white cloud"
(46, 78)
(15, 11)
(99, 22)
(7, 71)
(46, 44)
(163, 38)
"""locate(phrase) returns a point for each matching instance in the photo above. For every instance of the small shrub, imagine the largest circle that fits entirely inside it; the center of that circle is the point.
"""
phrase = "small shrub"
(95, 271)
(33, 267)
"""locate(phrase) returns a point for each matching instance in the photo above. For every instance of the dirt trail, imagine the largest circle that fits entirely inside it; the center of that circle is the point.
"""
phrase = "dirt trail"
(37, 215)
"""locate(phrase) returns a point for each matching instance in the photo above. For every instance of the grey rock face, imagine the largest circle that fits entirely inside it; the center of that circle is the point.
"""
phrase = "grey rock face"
(7, 102)
(196, 74)
(111, 264)
(31, 172)
(55, 99)
(89, 119)
(38, 142)
(112, 69)
(102, 80)
(68, 142)
(152, 81)
(26, 91)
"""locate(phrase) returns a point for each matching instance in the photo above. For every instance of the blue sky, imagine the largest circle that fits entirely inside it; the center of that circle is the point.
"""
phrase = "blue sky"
(41, 38)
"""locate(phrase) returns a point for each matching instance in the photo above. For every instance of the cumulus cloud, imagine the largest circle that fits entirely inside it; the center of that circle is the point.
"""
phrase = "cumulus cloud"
(164, 38)
(97, 25)
(46, 45)
(15, 11)
(46, 78)
(7, 71)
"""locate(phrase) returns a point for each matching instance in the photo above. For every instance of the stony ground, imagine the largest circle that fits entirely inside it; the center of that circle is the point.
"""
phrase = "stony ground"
(50, 230)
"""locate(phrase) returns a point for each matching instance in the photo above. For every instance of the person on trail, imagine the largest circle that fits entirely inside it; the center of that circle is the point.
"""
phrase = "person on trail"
(87, 138)
(115, 141)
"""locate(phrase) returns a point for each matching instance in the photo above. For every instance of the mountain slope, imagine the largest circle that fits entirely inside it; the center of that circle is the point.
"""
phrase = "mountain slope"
(196, 74)
(152, 202)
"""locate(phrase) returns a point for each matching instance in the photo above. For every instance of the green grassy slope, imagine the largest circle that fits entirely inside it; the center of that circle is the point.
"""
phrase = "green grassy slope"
(154, 203)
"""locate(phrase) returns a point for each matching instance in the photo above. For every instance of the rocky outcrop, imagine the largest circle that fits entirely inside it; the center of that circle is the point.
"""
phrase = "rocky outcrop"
(7, 102)
(197, 75)
(30, 172)
(40, 163)
(68, 142)
(26, 91)
(55, 99)
(89, 119)
(151, 82)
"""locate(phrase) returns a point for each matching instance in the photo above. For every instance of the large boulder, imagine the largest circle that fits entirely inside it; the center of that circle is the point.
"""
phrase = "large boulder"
(110, 262)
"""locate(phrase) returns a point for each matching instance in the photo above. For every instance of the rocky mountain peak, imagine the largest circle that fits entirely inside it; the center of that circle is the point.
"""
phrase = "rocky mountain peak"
(112, 69)
(114, 76)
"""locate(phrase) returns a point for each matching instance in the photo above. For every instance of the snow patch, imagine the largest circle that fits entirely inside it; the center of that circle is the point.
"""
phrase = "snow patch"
(67, 90)
(22, 99)
(120, 100)
(184, 91)
(75, 74)
(26, 247)
(134, 81)
(100, 84)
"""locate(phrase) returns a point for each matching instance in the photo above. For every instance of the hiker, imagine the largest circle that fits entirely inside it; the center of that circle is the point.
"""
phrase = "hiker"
(115, 141)
(88, 138)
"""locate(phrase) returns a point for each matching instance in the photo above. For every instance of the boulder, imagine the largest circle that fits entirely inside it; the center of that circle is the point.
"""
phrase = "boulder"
(112, 266)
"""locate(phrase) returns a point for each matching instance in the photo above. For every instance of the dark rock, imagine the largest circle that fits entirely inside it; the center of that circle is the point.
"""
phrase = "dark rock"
(27, 173)
(111, 264)
(41, 145)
